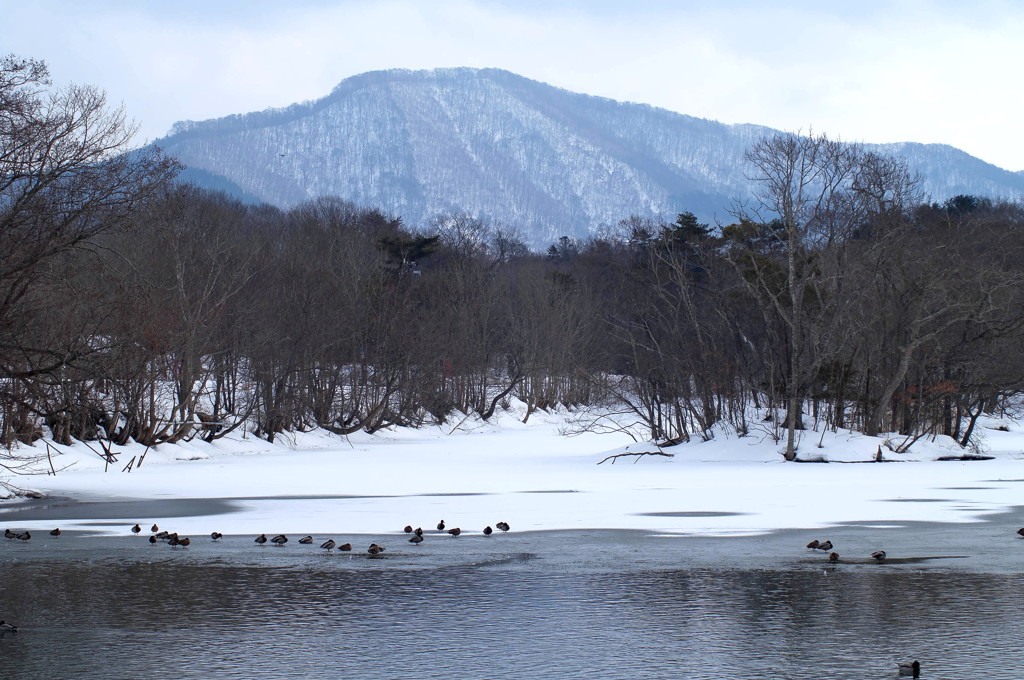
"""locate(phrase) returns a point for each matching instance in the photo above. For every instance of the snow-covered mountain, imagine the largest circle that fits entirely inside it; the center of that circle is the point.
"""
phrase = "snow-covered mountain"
(509, 150)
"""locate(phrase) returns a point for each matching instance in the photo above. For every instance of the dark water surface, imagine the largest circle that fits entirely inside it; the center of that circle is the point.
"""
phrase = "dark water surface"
(598, 604)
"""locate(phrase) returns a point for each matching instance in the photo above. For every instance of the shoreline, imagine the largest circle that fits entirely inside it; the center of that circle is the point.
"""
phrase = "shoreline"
(539, 481)
(987, 546)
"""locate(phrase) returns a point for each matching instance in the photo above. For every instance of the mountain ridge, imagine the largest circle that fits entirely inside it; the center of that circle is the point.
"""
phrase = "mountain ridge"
(507, 149)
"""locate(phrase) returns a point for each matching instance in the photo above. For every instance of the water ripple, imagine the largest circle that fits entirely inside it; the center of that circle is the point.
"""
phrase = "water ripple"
(514, 615)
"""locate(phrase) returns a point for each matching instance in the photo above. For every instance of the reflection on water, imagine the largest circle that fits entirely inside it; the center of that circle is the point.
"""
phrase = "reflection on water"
(501, 615)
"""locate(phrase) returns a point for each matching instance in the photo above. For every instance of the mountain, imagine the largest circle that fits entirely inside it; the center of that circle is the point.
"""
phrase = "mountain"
(508, 150)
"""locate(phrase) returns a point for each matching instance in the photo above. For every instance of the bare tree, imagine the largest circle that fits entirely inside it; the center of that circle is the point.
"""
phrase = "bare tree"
(65, 177)
(820, 191)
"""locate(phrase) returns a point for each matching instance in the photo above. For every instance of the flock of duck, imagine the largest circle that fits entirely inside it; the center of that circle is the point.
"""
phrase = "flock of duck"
(879, 555)
(175, 541)
(25, 535)
(416, 537)
(833, 557)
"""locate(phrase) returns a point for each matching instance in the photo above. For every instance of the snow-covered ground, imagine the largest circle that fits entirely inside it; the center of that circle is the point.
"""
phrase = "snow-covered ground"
(474, 474)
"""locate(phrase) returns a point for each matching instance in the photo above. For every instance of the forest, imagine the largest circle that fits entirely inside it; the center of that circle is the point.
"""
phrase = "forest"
(137, 308)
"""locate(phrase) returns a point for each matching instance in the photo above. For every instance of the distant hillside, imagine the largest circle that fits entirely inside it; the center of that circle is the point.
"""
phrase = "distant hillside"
(506, 149)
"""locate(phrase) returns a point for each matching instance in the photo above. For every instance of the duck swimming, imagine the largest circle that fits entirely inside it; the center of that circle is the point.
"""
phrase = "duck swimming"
(913, 669)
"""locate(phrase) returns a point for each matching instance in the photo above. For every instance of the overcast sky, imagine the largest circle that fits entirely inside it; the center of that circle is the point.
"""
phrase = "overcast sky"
(875, 71)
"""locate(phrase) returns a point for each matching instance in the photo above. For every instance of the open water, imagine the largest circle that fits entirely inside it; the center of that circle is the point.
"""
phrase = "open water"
(595, 605)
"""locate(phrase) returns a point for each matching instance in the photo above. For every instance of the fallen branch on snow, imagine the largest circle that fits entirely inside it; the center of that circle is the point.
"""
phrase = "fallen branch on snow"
(637, 454)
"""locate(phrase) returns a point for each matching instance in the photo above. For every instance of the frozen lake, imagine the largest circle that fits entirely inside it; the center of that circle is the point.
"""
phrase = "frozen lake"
(524, 605)
(691, 567)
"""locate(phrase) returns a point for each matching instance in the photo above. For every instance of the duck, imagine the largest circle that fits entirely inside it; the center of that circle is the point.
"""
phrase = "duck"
(24, 536)
(375, 549)
(440, 525)
(162, 535)
(813, 544)
(328, 545)
(184, 542)
(7, 627)
(455, 532)
(306, 540)
(345, 547)
(825, 547)
(279, 540)
(488, 531)
(154, 528)
(216, 536)
(913, 669)
(419, 531)
(261, 539)
(1020, 532)
(408, 529)
(136, 529)
(833, 557)
(9, 534)
(879, 555)
(55, 532)
(416, 539)
(503, 526)
(173, 541)
(152, 539)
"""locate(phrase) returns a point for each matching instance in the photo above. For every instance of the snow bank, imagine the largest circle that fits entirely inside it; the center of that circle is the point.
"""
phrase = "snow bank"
(536, 478)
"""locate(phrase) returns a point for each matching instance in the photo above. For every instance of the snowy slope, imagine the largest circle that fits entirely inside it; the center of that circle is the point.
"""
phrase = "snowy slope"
(510, 150)
(534, 477)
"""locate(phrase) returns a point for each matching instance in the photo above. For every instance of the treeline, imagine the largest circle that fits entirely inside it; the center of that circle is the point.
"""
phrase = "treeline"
(205, 315)
(136, 309)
